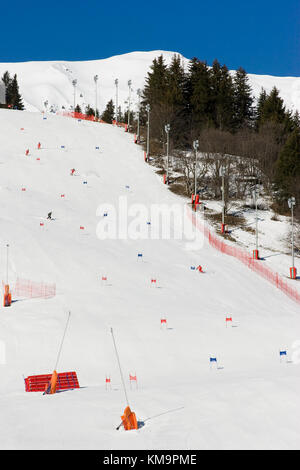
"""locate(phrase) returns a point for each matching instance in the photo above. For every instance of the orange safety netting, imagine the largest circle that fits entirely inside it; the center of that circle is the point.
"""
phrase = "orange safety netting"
(242, 255)
(83, 116)
(30, 289)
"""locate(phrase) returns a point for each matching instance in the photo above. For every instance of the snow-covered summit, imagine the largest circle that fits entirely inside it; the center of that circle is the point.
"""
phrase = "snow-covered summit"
(51, 81)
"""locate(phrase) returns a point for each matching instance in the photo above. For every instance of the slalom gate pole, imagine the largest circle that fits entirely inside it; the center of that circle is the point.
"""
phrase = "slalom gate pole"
(62, 341)
(121, 373)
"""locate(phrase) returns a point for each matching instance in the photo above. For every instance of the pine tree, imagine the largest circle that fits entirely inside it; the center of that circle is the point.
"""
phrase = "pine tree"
(12, 95)
(89, 111)
(199, 93)
(273, 108)
(155, 89)
(109, 112)
(288, 164)
(175, 81)
(259, 107)
(78, 109)
(6, 79)
(222, 96)
(175, 99)
(155, 94)
(243, 100)
(296, 120)
(121, 117)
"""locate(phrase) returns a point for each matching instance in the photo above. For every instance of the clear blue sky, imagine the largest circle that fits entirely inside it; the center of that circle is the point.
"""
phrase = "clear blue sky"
(263, 36)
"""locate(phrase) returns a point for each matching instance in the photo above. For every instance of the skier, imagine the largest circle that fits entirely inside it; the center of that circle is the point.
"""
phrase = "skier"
(49, 216)
(72, 171)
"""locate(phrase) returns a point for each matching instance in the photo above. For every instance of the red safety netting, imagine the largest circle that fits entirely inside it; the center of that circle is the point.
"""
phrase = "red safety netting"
(255, 265)
(83, 116)
(30, 289)
(119, 124)
(38, 383)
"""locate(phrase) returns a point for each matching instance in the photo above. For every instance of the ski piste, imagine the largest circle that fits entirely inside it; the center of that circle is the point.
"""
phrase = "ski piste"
(248, 399)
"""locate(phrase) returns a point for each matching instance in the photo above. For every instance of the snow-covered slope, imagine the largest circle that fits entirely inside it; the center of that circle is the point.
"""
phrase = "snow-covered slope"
(52, 81)
(250, 401)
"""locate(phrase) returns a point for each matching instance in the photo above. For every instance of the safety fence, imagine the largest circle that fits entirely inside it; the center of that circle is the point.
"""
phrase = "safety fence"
(120, 124)
(32, 290)
(85, 117)
(242, 255)
(38, 383)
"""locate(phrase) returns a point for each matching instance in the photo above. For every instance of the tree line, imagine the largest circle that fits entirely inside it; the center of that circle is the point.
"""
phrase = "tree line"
(217, 108)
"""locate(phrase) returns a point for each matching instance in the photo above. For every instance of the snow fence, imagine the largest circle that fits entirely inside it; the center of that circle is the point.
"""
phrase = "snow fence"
(32, 290)
(242, 255)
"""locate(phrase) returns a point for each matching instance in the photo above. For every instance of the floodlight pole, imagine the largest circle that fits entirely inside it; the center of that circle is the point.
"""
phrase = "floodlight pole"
(74, 83)
(196, 146)
(139, 92)
(148, 131)
(128, 117)
(116, 83)
(167, 130)
(292, 203)
(96, 80)
(293, 256)
(256, 216)
(222, 171)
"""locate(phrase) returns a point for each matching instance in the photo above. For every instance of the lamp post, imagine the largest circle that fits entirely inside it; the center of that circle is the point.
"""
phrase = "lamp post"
(96, 80)
(148, 131)
(74, 83)
(196, 146)
(167, 130)
(138, 92)
(116, 83)
(255, 194)
(128, 117)
(222, 173)
(293, 270)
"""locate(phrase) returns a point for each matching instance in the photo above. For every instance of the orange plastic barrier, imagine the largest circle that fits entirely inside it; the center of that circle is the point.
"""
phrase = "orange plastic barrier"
(38, 383)
(7, 296)
(50, 388)
(129, 419)
(242, 255)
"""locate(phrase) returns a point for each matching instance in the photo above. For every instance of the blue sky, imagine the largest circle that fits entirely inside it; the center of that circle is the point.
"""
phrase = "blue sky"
(261, 36)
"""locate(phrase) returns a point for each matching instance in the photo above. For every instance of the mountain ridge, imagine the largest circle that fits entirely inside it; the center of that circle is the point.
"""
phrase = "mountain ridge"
(51, 81)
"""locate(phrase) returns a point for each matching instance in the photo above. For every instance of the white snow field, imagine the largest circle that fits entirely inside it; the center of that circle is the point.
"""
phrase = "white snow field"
(251, 401)
(51, 81)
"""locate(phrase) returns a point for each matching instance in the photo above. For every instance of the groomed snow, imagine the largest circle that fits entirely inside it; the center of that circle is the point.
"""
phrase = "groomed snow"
(251, 401)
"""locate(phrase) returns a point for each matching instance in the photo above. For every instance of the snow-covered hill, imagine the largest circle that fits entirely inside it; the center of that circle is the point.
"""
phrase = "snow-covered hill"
(52, 81)
(250, 401)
